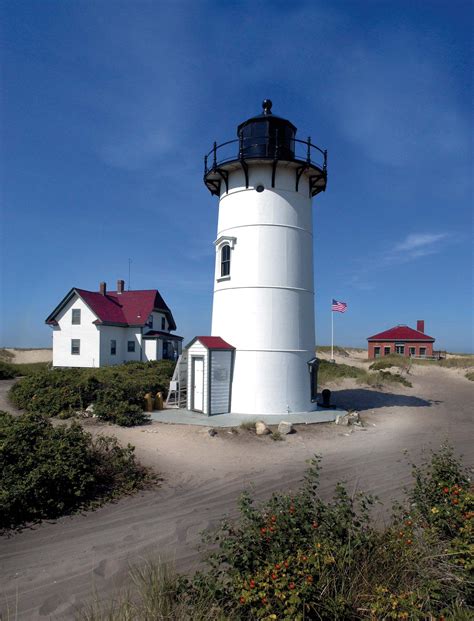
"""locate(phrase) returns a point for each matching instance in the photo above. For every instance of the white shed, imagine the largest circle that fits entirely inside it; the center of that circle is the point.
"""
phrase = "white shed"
(210, 366)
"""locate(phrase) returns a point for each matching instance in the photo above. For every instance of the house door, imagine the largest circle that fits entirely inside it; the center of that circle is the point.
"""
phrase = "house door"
(198, 384)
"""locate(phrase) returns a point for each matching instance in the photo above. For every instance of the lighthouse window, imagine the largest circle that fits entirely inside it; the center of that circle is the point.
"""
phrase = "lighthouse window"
(225, 260)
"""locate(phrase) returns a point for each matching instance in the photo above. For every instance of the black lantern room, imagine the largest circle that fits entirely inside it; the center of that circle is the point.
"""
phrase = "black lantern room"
(266, 137)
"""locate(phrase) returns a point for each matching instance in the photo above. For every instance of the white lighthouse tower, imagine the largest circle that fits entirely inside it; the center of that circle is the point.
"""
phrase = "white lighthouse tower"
(263, 302)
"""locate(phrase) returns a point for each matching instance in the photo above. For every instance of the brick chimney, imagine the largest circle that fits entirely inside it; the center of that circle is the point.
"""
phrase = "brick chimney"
(103, 288)
(120, 286)
(420, 325)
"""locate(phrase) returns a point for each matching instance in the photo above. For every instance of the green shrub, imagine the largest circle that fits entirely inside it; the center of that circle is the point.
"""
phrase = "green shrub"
(330, 371)
(470, 375)
(7, 370)
(49, 471)
(116, 392)
(298, 557)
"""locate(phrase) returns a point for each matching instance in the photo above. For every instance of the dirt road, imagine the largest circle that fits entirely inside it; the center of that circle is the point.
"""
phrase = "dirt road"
(46, 572)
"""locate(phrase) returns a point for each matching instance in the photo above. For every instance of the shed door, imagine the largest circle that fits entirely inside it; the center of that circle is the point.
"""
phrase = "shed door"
(198, 386)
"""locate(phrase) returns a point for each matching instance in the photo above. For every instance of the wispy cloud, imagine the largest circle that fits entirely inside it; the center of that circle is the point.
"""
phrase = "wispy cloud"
(412, 247)
(416, 241)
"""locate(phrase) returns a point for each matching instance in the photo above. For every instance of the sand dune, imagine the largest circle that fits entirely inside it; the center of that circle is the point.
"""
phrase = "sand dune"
(46, 572)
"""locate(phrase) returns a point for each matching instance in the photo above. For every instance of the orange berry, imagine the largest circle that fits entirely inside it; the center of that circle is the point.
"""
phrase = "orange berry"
(304, 558)
(446, 490)
(291, 585)
(309, 579)
(277, 566)
(263, 530)
(409, 542)
(286, 564)
(274, 576)
(315, 525)
(274, 518)
(242, 600)
(455, 501)
(252, 584)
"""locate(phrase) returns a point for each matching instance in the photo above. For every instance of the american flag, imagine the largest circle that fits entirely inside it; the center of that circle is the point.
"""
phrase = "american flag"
(339, 307)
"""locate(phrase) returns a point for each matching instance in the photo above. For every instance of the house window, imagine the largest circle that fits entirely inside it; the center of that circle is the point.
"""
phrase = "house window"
(412, 351)
(113, 347)
(131, 346)
(376, 352)
(163, 323)
(400, 349)
(150, 322)
(422, 351)
(75, 347)
(386, 350)
(76, 316)
(225, 260)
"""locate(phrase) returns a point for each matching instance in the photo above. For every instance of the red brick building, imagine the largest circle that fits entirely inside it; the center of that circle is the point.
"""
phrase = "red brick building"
(402, 340)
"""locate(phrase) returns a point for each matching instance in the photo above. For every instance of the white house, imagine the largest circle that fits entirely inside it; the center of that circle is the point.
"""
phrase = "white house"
(100, 328)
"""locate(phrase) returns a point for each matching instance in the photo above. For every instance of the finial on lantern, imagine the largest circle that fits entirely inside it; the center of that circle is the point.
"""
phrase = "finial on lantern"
(267, 106)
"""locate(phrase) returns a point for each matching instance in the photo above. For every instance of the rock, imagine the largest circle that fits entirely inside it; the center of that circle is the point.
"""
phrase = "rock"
(354, 417)
(212, 432)
(261, 429)
(342, 419)
(90, 409)
(285, 428)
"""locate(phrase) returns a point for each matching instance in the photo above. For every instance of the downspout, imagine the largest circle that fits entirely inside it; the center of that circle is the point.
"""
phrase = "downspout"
(141, 345)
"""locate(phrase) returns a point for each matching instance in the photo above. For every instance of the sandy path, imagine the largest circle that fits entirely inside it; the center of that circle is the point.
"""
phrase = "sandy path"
(5, 404)
(49, 570)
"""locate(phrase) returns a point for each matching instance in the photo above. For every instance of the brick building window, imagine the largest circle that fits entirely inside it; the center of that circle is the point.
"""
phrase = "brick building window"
(386, 351)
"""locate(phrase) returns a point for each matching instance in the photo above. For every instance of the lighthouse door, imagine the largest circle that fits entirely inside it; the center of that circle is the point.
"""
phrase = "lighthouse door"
(198, 384)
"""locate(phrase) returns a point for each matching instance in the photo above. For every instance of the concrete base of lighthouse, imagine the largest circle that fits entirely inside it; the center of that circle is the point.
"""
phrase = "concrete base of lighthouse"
(187, 417)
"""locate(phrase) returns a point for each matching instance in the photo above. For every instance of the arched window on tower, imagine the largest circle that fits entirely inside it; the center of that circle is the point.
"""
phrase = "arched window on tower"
(225, 260)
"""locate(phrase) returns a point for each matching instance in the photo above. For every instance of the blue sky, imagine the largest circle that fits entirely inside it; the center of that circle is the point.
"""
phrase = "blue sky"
(109, 106)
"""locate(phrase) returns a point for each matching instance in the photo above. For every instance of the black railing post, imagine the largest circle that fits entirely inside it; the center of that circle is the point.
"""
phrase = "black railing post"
(241, 145)
(205, 164)
(308, 150)
(325, 165)
(214, 164)
(277, 146)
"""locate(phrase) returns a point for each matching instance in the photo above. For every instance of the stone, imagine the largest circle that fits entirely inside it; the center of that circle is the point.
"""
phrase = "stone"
(90, 409)
(342, 419)
(212, 432)
(261, 429)
(354, 418)
(285, 428)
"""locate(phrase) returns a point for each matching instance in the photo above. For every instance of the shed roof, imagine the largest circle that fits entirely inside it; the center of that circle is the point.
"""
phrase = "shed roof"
(211, 342)
(401, 333)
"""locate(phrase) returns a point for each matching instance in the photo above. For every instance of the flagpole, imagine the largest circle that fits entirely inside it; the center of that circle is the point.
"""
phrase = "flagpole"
(332, 335)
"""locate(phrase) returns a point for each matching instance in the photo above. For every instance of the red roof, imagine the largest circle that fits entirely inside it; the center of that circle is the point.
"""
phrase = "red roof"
(130, 308)
(212, 342)
(401, 333)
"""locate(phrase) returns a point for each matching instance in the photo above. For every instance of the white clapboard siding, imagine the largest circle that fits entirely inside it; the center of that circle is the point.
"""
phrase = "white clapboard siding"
(221, 367)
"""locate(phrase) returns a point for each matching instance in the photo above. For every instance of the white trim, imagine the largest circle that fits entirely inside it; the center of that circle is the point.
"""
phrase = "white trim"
(225, 239)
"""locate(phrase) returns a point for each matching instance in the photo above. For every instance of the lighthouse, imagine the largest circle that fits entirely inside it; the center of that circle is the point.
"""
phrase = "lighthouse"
(263, 303)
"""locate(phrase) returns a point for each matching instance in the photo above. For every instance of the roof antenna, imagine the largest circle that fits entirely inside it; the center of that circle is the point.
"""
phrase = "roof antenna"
(129, 271)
